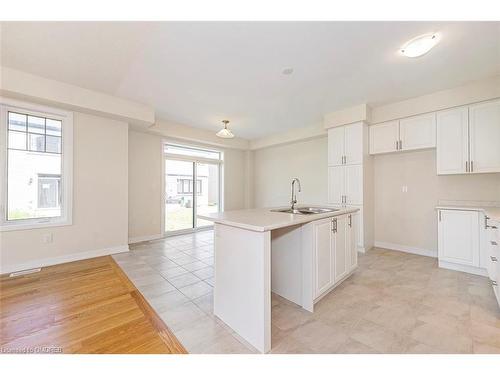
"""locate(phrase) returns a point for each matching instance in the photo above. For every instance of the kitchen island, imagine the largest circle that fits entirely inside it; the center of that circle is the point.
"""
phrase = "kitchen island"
(300, 257)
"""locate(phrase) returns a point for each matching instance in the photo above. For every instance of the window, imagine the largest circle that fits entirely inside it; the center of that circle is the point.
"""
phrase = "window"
(36, 188)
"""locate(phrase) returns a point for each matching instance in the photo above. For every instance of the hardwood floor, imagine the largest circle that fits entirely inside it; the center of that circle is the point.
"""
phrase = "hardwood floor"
(88, 306)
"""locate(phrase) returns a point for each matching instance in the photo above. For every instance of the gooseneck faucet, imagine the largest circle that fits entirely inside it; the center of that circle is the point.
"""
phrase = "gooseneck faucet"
(293, 201)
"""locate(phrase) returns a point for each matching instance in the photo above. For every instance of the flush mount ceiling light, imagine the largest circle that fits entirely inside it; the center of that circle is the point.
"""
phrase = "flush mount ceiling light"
(287, 71)
(225, 133)
(420, 45)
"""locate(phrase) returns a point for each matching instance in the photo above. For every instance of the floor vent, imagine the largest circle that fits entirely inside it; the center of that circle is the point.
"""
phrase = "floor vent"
(25, 272)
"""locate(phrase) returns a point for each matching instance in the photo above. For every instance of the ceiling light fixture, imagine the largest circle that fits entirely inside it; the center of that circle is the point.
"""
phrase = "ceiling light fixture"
(420, 45)
(287, 71)
(225, 133)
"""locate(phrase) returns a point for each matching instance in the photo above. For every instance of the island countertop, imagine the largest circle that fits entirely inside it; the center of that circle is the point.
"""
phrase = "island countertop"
(263, 219)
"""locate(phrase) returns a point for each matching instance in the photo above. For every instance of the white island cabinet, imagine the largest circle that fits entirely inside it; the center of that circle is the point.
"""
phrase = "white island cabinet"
(299, 257)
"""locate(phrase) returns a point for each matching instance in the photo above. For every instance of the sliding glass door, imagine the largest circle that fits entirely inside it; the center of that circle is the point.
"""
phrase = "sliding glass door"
(192, 186)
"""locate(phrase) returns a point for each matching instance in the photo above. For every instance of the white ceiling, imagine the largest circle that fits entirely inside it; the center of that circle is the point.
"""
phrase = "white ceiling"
(199, 73)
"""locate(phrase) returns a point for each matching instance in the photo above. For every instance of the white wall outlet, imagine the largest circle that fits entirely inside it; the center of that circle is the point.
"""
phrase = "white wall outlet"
(404, 189)
(48, 238)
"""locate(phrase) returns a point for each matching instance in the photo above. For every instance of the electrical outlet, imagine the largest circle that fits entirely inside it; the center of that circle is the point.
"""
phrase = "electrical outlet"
(48, 238)
(404, 189)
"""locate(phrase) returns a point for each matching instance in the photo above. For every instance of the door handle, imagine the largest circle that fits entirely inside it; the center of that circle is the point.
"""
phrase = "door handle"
(472, 166)
(467, 166)
(493, 259)
(397, 145)
(494, 243)
(350, 220)
(334, 225)
(400, 144)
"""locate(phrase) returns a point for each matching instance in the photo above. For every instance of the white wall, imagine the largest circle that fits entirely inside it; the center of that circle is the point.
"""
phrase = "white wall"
(275, 167)
(145, 174)
(100, 204)
(409, 219)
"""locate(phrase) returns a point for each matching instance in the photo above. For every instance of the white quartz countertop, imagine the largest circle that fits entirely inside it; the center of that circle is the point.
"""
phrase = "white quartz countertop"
(263, 219)
(491, 211)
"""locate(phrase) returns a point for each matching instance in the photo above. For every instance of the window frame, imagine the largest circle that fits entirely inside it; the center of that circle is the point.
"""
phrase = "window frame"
(66, 117)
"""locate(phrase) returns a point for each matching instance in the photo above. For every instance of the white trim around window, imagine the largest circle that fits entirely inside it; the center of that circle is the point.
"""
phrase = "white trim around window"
(10, 105)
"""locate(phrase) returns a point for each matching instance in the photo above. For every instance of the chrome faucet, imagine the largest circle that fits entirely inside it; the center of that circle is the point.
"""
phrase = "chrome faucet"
(293, 201)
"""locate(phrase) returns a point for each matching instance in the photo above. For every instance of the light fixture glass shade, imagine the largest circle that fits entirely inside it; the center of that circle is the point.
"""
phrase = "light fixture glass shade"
(225, 133)
(420, 45)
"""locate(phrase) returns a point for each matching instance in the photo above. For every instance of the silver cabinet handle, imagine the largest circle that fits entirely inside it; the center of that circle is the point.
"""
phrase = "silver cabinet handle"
(400, 144)
(494, 243)
(467, 166)
(472, 166)
(334, 225)
(494, 283)
(493, 259)
(397, 145)
(350, 220)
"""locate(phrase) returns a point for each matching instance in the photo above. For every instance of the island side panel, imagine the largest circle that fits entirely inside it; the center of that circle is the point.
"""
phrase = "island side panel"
(286, 263)
(242, 291)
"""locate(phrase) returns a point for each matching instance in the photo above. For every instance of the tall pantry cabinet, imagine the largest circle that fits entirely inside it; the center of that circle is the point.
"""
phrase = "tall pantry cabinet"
(350, 176)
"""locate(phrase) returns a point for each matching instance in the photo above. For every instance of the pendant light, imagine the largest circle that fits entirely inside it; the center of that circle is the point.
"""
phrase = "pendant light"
(225, 133)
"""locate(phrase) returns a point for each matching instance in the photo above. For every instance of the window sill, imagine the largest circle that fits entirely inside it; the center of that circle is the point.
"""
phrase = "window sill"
(34, 225)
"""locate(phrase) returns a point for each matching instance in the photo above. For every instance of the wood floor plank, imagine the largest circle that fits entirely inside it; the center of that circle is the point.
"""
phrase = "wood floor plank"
(87, 306)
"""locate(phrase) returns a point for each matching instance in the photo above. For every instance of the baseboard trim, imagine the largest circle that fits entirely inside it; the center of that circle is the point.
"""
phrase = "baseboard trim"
(463, 268)
(152, 237)
(63, 259)
(406, 249)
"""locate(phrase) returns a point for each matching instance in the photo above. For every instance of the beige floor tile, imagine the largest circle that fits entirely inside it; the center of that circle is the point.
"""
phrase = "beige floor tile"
(167, 301)
(320, 337)
(442, 337)
(377, 337)
(183, 280)
(205, 303)
(157, 289)
(182, 316)
(196, 290)
(202, 333)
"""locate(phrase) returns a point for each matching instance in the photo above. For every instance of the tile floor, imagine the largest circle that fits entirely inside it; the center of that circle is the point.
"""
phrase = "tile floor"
(394, 303)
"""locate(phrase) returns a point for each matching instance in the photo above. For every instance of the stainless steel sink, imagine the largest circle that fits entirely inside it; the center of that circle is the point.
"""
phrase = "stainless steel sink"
(306, 210)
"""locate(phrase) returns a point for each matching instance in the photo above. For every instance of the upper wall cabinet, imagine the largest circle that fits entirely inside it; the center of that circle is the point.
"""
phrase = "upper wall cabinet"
(453, 141)
(417, 132)
(468, 139)
(384, 137)
(412, 133)
(345, 145)
(484, 137)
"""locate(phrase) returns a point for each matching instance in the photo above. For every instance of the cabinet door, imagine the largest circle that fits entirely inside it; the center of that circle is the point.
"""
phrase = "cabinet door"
(354, 144)
(458, 237)
(418, 132)
(339, 247)
(484, 137)
(452, 144)
(352, 242)
(336, 149)
(323, 259)
(336, 184)
(384, 137)
(354, 184)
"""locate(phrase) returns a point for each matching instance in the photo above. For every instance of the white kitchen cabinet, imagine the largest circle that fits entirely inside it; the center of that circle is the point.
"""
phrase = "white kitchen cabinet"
(323, 256)
(353, 191)
(353, 150)
(458, 238)
(340, 248)
(335, 252)
(345, 185)
(452, 153)
(417, 132)
(484, 137)
(336, 146)
(352, 230)
(384, 137)
(336, 185)
(468, 139)
(345, 145)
